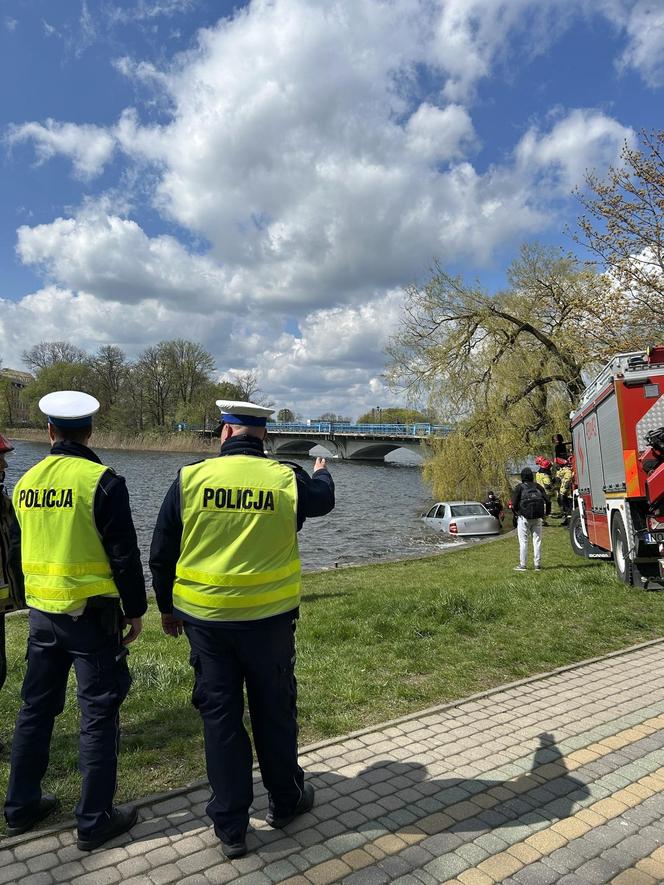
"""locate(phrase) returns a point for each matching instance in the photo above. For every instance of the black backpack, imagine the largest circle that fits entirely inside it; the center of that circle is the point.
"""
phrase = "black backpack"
(531, 503)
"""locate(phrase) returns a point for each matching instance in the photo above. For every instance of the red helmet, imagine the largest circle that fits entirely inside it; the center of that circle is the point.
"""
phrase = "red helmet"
(562, 462)
(5, 445)
(544, 463)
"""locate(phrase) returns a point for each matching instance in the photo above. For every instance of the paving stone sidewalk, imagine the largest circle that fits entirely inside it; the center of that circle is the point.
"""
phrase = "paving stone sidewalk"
(559, 779)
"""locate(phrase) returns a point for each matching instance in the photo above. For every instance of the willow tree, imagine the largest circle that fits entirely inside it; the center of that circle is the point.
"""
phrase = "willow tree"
(504, 369)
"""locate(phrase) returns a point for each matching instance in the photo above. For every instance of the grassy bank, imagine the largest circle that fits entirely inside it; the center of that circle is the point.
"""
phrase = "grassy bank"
(139, 442)
(374, 642)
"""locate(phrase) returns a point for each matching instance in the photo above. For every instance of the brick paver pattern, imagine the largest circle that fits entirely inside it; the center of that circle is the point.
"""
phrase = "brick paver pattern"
(557, 780)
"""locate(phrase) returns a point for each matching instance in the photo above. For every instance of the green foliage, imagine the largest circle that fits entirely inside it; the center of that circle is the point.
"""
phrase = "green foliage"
(6, 403)
(170, 383)
(393, 415)
(58, 376)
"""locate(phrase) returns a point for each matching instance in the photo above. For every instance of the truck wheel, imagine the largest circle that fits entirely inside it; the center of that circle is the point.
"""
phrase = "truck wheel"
(621, 550)
(580, 544)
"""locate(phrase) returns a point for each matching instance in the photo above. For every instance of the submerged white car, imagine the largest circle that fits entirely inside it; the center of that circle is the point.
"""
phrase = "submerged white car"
(461, 518)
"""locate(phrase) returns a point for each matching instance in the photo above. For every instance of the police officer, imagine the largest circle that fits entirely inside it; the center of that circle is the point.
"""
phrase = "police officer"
(11, 577)
(84, 584)
(226, 569)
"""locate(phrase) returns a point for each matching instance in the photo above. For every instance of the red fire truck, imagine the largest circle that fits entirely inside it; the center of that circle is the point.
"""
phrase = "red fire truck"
(618, 457)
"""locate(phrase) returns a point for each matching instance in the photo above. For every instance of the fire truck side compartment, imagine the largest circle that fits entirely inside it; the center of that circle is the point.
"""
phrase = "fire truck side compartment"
(611, 446)
(594, 456)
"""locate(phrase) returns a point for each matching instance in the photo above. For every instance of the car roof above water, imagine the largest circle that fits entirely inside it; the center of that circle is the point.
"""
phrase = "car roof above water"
(454, 503)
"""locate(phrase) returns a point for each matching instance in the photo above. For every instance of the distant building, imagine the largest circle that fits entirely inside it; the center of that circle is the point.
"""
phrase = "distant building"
(13, 404)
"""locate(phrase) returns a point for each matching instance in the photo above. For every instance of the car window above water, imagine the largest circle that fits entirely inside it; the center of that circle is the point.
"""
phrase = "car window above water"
(468, 510)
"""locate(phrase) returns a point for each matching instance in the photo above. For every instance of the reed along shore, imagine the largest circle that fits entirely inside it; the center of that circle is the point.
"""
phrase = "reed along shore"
(137, 442)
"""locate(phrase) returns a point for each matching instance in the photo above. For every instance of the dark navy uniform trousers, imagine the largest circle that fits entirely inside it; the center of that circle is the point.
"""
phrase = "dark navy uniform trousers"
(263, 659)
(57, 642)
(3, 651)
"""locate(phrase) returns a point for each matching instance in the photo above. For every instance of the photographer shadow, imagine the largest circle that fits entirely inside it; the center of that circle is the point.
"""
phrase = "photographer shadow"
(400, 798)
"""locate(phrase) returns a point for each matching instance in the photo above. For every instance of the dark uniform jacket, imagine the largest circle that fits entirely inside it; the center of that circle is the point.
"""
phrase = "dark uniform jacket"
(315, 497)
(112, 515)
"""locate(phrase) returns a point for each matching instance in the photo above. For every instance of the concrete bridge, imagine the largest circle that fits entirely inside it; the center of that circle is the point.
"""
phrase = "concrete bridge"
(362, 442)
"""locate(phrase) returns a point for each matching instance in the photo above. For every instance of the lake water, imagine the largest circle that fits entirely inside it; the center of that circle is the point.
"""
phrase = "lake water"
(376, 516)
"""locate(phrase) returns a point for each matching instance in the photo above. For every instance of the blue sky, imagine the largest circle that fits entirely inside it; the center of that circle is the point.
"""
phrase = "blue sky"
(267, 177)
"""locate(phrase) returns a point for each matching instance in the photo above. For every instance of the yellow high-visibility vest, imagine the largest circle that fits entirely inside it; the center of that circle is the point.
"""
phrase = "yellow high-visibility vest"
(239, 558)
(64, 561)
(544, 480)
(564, 474)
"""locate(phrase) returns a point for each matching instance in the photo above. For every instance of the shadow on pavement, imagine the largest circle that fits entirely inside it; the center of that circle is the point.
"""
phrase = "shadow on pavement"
(402, 791)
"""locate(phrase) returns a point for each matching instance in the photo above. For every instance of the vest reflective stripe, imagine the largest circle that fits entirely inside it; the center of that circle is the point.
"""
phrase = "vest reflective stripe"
(245, 600)
(76, 593)
(72, 570)
(64, 561)
(239, 557)
(237, 579)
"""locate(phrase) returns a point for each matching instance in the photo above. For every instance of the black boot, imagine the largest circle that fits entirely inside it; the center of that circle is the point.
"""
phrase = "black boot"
(305, 804)
(232, 847)
(47, 804)
(121, 820)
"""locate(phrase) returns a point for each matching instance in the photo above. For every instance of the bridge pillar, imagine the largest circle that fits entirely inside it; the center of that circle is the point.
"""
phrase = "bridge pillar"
(340, 445)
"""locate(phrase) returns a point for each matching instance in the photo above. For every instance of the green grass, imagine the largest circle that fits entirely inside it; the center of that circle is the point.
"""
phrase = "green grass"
(374, 642)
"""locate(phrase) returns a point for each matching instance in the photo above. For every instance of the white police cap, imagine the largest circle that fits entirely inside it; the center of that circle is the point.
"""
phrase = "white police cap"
(248, 414)
(69, 408)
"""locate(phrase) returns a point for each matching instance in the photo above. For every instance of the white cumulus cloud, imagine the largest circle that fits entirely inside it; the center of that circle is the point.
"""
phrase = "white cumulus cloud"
(581, 140)
(89, 147)
(113, 258)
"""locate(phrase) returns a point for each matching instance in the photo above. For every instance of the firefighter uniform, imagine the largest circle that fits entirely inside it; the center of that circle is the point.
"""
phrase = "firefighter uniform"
(545, 480)
(83, 577)
(225, 564)
(564, 477)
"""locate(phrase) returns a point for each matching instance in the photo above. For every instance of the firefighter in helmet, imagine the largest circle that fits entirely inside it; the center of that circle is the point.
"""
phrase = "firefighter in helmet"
(543, 477)
(11, 577)
(495, 506)
(564, 477)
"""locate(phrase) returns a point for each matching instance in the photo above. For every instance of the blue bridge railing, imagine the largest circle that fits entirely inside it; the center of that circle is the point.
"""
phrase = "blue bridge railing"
(359, 429)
